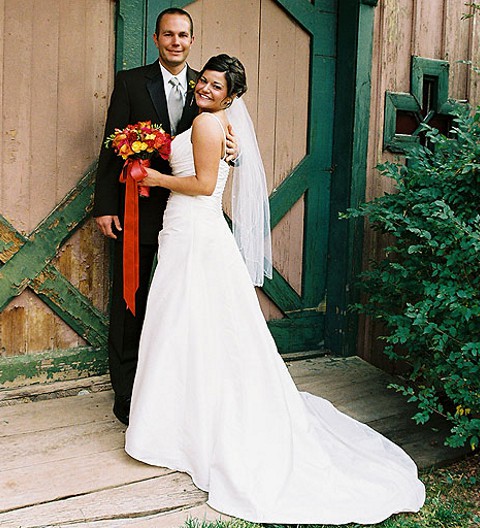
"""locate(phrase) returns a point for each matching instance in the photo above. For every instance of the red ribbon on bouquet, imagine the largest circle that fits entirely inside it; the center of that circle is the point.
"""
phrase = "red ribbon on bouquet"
(133, 172)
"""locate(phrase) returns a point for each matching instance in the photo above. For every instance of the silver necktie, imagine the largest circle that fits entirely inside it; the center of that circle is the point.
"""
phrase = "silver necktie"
(175, 104)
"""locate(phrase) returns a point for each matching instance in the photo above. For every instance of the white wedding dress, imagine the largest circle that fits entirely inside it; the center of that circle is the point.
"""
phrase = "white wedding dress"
(213, 398)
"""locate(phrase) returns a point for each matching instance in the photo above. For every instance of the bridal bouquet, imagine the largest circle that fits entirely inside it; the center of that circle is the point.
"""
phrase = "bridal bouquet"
(137, 144)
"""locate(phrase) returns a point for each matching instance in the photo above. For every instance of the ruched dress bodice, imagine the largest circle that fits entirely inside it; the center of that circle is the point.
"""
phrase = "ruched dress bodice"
(181, 161)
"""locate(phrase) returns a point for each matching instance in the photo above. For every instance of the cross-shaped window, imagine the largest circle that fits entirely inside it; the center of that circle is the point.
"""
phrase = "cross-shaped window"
(427, 104)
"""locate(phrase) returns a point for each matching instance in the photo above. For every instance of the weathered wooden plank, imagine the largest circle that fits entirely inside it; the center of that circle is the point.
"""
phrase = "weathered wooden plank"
(285, 157)
(60, 443)
(74, 95)
(425, 443)
(79, 475)
(156, 495)
(268, 87)
(429, 20)
(173, 519)
(287, 245)
(54, 365)
(15, 116)
(335, 372)
(43, 243)
(473, 79)
(456, 40)
(43, 123)
(56, 412)
(48, 391)
(99, 35)
(2, 133)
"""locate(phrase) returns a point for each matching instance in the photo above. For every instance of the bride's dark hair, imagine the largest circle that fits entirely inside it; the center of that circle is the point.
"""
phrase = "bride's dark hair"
(234, 73)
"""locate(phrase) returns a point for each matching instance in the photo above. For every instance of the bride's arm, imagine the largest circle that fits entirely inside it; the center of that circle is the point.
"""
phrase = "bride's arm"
(207, 140)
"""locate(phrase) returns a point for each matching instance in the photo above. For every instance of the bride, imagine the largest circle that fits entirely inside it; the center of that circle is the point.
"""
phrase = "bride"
(212, 397)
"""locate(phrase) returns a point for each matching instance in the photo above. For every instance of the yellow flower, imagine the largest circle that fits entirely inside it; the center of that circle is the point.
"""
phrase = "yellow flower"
(138, 146)
(149, 136)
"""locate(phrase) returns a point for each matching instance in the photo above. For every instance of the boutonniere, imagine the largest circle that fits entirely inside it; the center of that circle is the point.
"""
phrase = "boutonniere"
(191, 87)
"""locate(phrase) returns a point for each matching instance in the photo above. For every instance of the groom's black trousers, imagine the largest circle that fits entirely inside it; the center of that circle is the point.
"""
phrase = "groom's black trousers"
(125, 329)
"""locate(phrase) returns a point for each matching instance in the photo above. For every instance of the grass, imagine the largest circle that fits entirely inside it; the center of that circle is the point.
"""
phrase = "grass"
(453, 501)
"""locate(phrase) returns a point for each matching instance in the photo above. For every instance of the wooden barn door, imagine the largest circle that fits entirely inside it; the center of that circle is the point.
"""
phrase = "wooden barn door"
(56, 63)
(288, 48)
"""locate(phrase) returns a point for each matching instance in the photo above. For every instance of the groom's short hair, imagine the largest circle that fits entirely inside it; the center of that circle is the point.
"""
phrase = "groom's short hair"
(174, 11)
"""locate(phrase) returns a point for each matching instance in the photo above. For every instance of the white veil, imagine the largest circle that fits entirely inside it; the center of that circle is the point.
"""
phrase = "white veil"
(250, 207)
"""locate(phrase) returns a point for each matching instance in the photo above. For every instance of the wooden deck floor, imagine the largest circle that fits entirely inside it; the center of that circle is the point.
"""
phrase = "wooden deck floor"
(63, 464)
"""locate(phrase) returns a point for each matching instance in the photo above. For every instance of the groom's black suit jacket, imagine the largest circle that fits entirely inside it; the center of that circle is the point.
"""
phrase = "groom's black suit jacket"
(138, 95)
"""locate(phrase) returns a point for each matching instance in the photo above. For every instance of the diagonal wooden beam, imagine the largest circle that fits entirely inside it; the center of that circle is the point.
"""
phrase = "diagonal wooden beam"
(33, 255)
(44, 242)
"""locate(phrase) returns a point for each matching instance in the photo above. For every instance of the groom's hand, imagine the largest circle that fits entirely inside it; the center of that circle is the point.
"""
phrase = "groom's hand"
(232, 146)
(105, 224)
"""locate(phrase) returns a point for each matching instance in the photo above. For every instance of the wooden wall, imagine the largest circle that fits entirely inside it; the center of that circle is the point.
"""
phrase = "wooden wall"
(432, 29)
(56, 72)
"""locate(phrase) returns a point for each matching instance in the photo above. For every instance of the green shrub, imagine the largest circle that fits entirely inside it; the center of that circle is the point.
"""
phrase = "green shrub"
(427, 287)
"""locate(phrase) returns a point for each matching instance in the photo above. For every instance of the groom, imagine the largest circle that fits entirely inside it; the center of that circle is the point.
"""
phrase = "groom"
(161, 92)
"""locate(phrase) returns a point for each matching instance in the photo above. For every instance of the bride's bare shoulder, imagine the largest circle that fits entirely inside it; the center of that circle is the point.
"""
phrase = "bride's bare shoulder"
(206, 123)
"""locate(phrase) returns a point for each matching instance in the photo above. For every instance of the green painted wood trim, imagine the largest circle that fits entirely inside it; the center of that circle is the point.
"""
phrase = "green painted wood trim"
(54, 365)
(49, 284)
(76, 310)
(363, 87)
(352, 104)
(308, 15)
(438, 69)
(420, 68)
(289, 191)
(298, 333)
(372, 3)
(315, 249)
(282, 293)
(43, 244)
(130, 34)
(391, 140)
